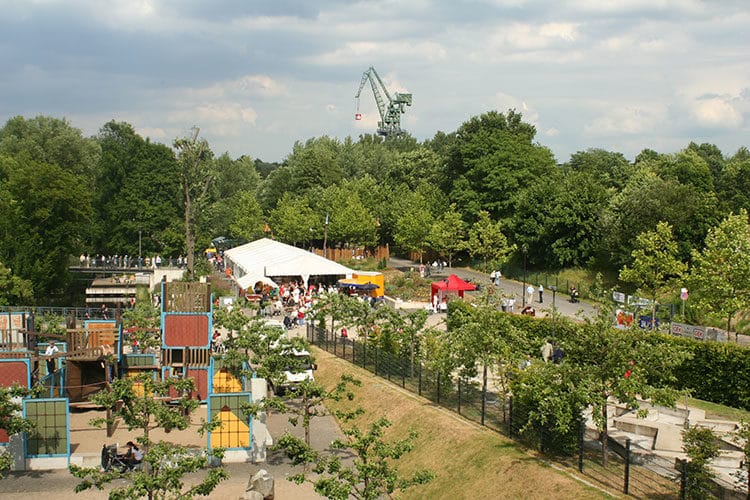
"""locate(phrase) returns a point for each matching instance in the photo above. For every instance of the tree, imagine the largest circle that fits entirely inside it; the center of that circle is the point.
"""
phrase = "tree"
(701, 446)
(245, 217)
(141, 404)
(350, 222)
(656, 265)
(308, 401)
(293, 221)
(44, 221)
(371, 475)
(11, 419)
(14, 291)
(137, 197)
(486, 240)
(448, 234)
(720, 276)
(493, 157)
(414, 225)
(612, 364)
(196, 174)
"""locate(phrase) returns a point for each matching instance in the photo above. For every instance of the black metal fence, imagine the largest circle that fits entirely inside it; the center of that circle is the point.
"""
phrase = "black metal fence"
(635, 474)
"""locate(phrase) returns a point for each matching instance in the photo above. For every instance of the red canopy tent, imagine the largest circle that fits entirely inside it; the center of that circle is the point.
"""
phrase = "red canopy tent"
(451, 284)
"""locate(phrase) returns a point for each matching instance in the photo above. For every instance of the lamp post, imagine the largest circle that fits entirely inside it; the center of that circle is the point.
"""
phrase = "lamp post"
(140, 248)
(524, 250)
(554, 310)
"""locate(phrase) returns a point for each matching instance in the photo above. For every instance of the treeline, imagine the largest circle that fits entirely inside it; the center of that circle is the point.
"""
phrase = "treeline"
(487, 190)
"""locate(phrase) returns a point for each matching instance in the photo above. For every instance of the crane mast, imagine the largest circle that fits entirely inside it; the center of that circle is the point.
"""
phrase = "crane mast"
(389, 108)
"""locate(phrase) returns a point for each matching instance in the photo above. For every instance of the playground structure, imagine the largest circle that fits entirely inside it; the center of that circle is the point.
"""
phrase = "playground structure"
(90, 357)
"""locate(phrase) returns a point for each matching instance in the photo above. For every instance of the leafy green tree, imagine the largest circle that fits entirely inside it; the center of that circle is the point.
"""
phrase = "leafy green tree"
(656, 264)
(609, 364)
(700, 444)
(720, 276)
(142, 404)
(11, 419)
(52, 141)
(648, 199)
(14, 291)
(350, 222)
(558, 218)
(493, 158)
(46, 217)
(733, 184)
(609, 169)
(316, 163)
(196, 173)
(309, 401)
(448, 234)
(487, 241)
(137, 198)
(373, 473)
(245, 220)
(232, 204)
(414, 225)
(292, 220)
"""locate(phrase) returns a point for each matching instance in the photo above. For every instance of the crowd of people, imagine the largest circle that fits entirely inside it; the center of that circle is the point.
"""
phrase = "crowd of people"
(131, 261)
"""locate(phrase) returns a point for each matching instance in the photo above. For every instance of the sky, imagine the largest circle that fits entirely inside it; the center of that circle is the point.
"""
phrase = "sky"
(256, 76)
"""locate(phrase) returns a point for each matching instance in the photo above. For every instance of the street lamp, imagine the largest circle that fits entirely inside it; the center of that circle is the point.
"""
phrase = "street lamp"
(524, 250)
(325, 238)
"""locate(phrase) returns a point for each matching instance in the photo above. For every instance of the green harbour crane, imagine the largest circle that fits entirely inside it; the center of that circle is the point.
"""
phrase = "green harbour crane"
(390, 108)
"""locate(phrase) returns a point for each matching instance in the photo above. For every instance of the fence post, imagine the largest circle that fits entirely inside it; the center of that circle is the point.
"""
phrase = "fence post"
(343, 348)
(484, 392)
(420, 379)
(683, 478)
(403, 372)
(581, 432)
(438, 387)
(510, 415)
(334, 343)
(626, 486)
(459, 395)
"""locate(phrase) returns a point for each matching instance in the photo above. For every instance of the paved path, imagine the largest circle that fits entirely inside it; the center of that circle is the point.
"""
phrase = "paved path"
(510, 288)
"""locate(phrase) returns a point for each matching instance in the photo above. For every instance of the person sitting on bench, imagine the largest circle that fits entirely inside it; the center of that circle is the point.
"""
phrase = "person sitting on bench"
(134, 455)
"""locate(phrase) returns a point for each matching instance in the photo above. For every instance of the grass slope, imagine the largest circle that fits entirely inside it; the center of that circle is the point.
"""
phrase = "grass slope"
(469, 461)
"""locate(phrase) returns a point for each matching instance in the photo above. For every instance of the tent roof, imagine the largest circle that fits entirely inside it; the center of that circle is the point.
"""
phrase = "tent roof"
(265, 257)
(453, 283)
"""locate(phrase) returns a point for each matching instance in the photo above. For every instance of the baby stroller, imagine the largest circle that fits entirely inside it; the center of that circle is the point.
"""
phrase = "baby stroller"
(112, 461)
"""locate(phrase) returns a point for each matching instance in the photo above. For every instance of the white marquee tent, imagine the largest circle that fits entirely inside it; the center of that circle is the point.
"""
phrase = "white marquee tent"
(263, 259)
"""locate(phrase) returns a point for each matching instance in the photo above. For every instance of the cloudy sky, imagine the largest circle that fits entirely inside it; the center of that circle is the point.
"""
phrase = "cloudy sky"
(256, 76)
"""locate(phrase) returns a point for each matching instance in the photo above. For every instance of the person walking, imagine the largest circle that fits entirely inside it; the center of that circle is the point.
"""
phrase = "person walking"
(530, 293)
(541, 292)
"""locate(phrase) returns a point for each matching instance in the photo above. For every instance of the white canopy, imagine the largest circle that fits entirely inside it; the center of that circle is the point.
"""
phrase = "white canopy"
(249, 280)
(268, 258)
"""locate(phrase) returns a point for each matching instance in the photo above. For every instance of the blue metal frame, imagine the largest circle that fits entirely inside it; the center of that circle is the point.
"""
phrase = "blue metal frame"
(67, 428)
(249, 423)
